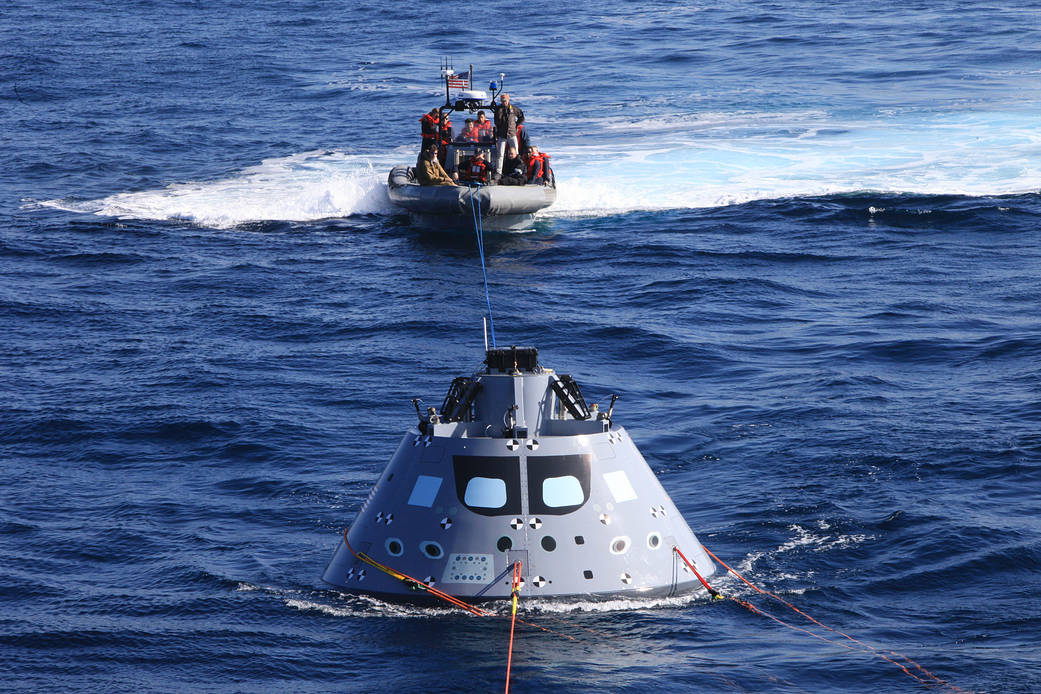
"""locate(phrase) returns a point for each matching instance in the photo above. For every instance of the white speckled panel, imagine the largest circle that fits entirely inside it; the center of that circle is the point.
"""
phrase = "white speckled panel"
(468, 568)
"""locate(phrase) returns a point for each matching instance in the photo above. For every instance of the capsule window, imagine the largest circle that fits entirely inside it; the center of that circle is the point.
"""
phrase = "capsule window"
(654, 541)
(485, 492)
(562, 491)
(620, 545)
(557, 484)
(488, 486)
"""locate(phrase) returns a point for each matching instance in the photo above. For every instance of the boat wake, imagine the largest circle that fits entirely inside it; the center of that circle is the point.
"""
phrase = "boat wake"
(298, 188)
(703, 161)
(714, 160)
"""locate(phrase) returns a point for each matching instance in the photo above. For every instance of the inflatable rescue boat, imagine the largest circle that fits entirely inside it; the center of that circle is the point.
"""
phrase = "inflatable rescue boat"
(486, 202)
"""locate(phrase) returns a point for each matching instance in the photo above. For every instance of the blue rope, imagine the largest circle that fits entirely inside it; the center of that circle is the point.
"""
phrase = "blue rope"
(476, 211)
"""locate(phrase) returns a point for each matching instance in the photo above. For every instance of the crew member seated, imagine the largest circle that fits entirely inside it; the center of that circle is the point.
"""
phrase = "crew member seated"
(469, 133)
(484, 128)
(538, 170)
(513, 169)
(430, 172)
(476, 169)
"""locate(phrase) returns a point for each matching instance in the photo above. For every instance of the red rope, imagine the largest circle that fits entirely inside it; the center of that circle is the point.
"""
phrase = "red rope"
(472, 609)
(686, 561)
(413, 581)
(513, 621)
(863, 646)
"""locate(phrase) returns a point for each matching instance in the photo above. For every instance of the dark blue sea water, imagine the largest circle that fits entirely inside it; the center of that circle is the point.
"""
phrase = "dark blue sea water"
(802, 240)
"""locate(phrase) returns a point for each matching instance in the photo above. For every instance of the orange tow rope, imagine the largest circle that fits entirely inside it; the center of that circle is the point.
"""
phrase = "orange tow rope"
(414, 583)
(513, 621)
(862, 646)
(715, 593)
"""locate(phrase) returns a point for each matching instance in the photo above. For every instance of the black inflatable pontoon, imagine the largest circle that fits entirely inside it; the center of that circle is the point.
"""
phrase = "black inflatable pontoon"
(501, 207)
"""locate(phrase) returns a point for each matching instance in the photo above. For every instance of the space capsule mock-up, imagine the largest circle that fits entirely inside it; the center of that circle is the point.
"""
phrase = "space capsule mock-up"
(516, 467)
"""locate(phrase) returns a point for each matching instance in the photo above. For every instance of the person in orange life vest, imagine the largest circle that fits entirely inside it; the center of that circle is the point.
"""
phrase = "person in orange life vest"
(467, 136)
(469, 133)
(477, 169)
(446, 129)
(429, 124)
(446, 136)
(538, 166)
(484, 127)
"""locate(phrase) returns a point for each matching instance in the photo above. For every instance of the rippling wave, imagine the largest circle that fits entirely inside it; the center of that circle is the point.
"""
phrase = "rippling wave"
(801, 243)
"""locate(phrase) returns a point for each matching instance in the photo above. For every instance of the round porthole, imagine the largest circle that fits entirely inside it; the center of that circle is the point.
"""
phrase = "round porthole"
(548, 543)
(394, 547)
(620, 545)
(504, 544)
(431, 549)
(654, 540)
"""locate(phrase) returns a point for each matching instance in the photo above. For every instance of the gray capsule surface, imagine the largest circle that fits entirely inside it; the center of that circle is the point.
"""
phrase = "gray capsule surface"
(516, 467)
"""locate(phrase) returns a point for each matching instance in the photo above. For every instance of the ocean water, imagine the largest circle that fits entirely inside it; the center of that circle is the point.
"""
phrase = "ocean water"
(801, 240)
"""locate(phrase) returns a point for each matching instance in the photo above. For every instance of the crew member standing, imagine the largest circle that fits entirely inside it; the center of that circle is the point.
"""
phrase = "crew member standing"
(429, 124)
(507, 117)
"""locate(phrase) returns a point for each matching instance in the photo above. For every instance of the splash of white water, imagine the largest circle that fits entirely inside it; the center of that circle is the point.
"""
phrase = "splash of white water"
(703, 160)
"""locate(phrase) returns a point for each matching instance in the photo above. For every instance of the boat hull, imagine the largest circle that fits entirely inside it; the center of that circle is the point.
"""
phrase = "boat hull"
(500, 207)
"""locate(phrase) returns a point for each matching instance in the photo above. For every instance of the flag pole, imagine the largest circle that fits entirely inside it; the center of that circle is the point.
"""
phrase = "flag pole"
(448, 96)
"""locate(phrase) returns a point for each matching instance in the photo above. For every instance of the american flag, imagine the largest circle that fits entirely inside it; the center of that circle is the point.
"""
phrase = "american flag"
(460, 80)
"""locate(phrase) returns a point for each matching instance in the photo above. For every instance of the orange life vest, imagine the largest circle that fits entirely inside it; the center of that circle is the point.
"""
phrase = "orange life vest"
(428, 124)
(477, 170)
(538, 167)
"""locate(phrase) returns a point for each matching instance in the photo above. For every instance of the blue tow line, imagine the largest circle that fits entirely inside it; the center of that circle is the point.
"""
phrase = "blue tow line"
(476, 210)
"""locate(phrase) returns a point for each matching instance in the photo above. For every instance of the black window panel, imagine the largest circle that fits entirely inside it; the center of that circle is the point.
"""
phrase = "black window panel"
(543, 467)
(466, 467)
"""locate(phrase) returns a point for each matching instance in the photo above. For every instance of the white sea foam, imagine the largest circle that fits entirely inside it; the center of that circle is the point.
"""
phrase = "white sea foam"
(564, 606)
(700, 162)
(360, 607)
(301, 187)
(695, 161)
(819, 540)
(336, 604)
